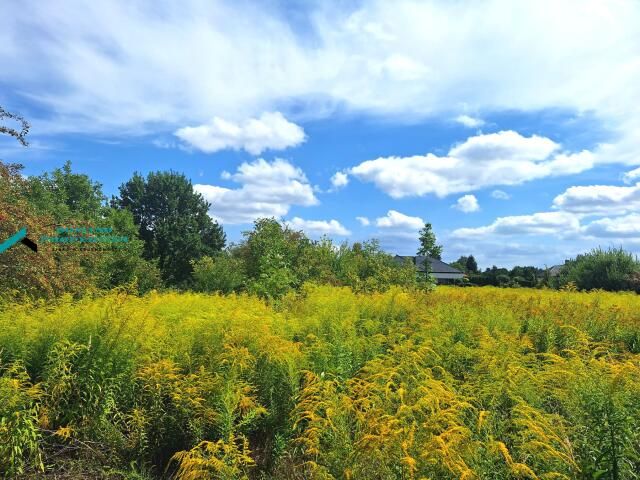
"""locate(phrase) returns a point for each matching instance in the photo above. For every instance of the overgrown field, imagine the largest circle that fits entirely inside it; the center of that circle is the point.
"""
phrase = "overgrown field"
(451, 384)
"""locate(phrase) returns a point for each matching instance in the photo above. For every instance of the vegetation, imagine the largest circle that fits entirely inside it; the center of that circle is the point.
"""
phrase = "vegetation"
(273, 260)
(173, 222)
(172, 243)
(453, 383)
(612, 269)
(428, 243)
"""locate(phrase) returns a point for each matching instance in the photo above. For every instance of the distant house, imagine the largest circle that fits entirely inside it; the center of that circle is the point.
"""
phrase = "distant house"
(555, 270)
(442, 272)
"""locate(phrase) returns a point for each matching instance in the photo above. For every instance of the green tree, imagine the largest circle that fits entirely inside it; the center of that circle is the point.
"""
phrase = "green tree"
(428, 243)
(613, 269)
(123, 263)
(461, 263)
(67, 195)
(173, 222)
(366, 267)
(270, 252)
(471, 266)
(26, 273)
(222, 273)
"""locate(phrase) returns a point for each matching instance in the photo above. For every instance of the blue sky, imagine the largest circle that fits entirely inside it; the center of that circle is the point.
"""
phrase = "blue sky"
(513, 127)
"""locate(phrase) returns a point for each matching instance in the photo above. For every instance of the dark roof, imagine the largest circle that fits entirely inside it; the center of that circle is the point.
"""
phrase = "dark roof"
(556, 270)
(437, 266)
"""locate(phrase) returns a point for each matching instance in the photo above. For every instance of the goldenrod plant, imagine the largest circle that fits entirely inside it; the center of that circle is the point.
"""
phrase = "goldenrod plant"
(326, 383)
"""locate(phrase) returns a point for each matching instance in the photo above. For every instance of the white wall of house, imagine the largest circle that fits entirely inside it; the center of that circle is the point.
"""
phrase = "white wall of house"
(448, 276)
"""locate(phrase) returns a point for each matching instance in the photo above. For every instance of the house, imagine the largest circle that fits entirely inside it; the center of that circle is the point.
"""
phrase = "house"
(556, 270)
(442, 272)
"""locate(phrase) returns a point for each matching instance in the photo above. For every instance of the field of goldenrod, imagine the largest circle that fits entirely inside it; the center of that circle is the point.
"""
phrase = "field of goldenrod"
(451, 384)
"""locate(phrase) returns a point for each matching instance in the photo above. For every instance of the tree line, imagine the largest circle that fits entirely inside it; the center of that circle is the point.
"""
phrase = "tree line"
(173, 243)
(612, 269)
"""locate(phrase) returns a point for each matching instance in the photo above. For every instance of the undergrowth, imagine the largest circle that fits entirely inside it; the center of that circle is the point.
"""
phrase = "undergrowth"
(455, 383)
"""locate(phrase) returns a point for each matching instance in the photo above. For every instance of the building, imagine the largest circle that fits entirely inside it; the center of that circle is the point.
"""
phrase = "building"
(556, 270)
(442, 272)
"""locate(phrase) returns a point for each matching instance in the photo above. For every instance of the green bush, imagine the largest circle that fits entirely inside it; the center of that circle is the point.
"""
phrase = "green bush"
(613, 270)
(222, 273)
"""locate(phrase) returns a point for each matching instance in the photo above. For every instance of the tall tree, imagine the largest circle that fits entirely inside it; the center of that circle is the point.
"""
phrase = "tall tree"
(471, 264)
(173, 222)
(428, 245)
(67, 195)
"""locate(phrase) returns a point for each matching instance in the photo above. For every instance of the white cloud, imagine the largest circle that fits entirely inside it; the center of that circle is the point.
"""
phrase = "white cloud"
(318, 227)
(503, 158)
(267, 190)
(271, 131)
(117, 66)
(627, 226)
(467, 204)
(339, 180)
(543, 223)
(500, 195)
(631, 176)
(599, 199)
(364, 221)
(468, 121)
(399, 221)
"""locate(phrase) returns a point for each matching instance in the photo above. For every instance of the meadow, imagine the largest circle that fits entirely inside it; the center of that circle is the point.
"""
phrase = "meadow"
(455, 383)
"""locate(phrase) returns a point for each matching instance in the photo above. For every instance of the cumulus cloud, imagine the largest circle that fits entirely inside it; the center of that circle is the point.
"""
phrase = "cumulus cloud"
(267, 189)
(399, 221)
(467, 204)
(627, 226)
(543, 223)
(631, 176)
(318, 227)
(599, 199)
(270, 131)
(339, 180)
(364, 221)
(468, 121)
(500, 195)
(503, 158)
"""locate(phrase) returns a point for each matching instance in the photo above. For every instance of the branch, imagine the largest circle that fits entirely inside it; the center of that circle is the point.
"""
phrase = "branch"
(18, 135)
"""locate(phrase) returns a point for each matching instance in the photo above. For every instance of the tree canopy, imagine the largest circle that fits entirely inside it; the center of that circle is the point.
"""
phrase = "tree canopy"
(173, 222)
(428, 243)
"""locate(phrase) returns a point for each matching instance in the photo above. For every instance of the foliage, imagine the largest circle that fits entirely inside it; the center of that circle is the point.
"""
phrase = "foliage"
(428, 243)
(222, 273)
(19, 135)
(466, 264)
(173, 222)
(124, 264)
(23, 272)
(19, 433)
(518, 276)
(275, 260)
(66, 196)
(328, 383)
(612, 269)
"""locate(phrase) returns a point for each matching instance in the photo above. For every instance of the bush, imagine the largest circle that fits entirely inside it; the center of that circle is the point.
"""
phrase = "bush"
(222, 273)
(612, 270)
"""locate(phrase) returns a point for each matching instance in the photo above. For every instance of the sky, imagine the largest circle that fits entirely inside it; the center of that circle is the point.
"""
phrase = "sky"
(512, 127)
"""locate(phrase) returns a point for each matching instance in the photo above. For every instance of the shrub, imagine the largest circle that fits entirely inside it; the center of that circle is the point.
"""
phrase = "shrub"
(222, 273)
(612, 269)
